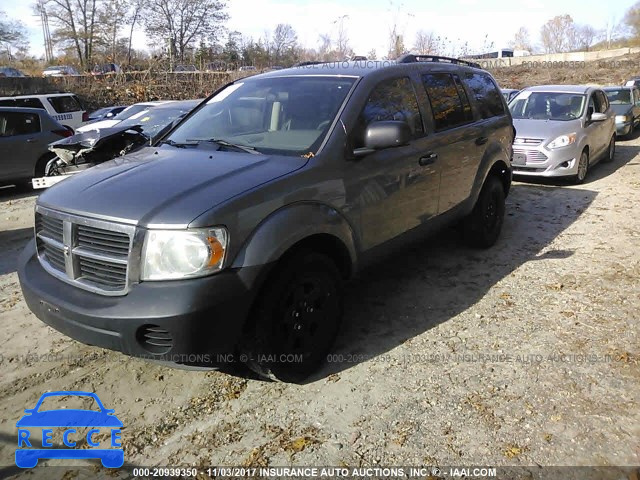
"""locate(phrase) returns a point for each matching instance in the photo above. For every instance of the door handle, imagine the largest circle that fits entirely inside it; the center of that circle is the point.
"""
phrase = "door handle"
(428, 159)
(481, 140)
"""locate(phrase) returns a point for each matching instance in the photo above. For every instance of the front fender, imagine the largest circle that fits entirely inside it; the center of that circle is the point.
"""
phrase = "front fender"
(291, 224)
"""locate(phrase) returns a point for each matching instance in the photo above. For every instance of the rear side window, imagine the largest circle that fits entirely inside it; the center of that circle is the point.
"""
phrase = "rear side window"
(65, 104)
(486, 94)
(449, 102)
(12, 124)
(8, 102)
(29, 103)
(393, 100)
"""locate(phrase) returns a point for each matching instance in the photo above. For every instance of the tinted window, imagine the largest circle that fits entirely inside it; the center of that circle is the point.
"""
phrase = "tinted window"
(486, 93)
(12, 124)
(29, 103)
(449, 102)
(619, 97)
(65, 104)
(8, 102)
(393, 100)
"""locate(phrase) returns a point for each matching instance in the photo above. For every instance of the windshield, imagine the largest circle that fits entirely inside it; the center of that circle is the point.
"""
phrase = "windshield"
(131, 111)
(154, 120)
(285, 115)
(619, 97)
(547, 106)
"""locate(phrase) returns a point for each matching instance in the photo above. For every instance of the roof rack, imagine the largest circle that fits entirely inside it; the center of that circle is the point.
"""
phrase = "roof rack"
(412, 58)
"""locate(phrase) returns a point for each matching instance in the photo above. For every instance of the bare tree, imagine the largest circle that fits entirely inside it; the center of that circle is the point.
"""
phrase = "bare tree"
(632, 19)
(342, 40)
(135, 12)
(12, 34)
(110, 21)
(285, 38)
(614, 30)
(522, 40)
(555, 34)
(581, 37)
(428, 43)
(182, 22)
(75, 24)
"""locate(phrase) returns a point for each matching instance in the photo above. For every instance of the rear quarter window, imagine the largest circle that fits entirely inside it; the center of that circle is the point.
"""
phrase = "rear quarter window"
(66, 104)
(29, 103)
(13, 124)
(486, 94)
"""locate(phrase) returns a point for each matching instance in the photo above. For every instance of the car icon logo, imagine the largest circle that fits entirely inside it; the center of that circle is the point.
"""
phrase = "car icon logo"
(69, 421)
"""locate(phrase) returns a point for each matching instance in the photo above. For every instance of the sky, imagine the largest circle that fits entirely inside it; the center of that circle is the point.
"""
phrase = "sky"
(368, 21)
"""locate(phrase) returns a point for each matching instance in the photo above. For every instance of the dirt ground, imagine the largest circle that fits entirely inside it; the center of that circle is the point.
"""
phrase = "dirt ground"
(524, 354)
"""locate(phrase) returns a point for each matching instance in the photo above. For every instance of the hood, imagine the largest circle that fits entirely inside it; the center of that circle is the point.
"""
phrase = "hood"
(166, 185)
(622, 109)
(97, 125)
(545, 129)
(105, 139)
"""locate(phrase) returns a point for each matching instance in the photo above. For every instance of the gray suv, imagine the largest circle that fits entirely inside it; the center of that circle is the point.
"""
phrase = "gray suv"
(232, 236)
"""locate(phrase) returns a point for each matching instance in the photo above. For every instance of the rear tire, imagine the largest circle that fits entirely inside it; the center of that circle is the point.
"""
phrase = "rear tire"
(296, 318)
(482, 227)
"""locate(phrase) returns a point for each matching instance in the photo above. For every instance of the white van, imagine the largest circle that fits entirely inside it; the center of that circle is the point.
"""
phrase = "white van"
(63, 107)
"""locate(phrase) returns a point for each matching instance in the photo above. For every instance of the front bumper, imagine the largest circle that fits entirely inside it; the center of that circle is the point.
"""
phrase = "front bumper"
(198, 321)
(542, 162)
(623, 129)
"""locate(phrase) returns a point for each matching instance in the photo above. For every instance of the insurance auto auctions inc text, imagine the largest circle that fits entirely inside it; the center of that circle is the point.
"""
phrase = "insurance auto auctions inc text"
(357, 472)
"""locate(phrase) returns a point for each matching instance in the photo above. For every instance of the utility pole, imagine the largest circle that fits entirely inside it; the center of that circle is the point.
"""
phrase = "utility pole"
(48, 43)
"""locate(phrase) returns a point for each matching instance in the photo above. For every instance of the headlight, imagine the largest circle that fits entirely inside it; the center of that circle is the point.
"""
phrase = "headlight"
(622, 118)
(563, 141)
(174, 254)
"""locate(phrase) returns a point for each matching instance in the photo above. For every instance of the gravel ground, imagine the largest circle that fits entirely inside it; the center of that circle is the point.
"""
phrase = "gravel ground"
(525, 354)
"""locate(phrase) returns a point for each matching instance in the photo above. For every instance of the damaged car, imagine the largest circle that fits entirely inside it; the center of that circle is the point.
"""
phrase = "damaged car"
(87, 149)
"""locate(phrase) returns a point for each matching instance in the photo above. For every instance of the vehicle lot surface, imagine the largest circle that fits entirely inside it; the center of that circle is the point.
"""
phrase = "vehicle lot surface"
(525, 354)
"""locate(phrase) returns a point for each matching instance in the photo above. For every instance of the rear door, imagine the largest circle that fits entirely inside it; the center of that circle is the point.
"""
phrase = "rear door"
(453, 136)
(67, 110)
(20, 145)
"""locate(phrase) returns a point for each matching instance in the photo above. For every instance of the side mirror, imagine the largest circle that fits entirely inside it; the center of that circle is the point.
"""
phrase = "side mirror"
(384, 134)
(598, 117)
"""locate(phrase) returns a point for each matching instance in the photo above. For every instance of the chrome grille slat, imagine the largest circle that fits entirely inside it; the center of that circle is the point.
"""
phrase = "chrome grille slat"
(90, 253)
(532, 155)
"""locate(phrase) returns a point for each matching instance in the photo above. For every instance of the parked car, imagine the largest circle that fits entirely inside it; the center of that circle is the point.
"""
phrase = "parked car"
(509, 93)
(59, 71)
(10, 72)
(135, 110)
(185, 69)
(106, 68)
(236, 231)
(633, 82)
(105, 113)
(87, 149)
(66, 108)
(562, 131)
(625, 102)
(25, 134)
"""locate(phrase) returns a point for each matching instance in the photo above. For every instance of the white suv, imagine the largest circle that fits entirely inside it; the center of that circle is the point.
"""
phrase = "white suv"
(63, 107)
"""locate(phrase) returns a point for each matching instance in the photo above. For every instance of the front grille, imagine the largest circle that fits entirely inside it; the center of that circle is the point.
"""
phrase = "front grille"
(92, 254)
(534, 156)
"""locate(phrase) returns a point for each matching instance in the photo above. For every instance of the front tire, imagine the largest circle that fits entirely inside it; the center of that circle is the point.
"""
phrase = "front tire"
(482, 227)
(296, 318)
(583, 168)
(611, 150)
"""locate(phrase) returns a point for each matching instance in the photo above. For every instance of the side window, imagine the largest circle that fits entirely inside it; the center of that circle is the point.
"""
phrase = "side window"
(65, 104)
(29, 103)
(449, 102)
(603, 102)
(486, 94)
(392, 100)
(8, 102)
(12, 124)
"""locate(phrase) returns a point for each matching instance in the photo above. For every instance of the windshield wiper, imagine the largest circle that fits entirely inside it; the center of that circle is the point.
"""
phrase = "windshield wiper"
(177, 145)
(225, 143)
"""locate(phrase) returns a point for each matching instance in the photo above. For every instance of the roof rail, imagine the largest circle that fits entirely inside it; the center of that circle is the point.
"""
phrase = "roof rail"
(412, 58)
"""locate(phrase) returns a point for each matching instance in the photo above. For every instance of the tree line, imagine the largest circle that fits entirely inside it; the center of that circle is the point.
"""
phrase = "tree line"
(87, 32)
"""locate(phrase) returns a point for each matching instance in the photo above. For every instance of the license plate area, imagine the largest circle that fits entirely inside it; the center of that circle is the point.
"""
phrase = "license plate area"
(519, 159)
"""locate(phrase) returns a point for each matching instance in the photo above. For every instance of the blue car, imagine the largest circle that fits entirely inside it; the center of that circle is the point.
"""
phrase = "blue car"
(68, 419)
